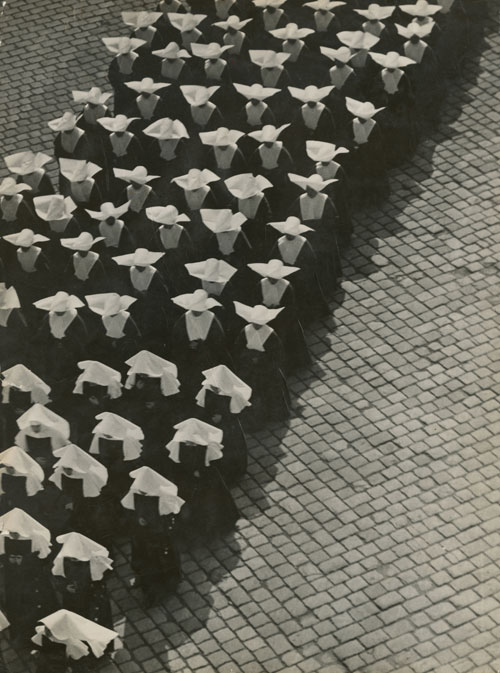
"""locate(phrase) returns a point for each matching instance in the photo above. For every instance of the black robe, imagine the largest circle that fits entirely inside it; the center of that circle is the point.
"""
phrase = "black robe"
(29, 594)
(193, 357)
(83, 595)
(263, 372)
(233, 464)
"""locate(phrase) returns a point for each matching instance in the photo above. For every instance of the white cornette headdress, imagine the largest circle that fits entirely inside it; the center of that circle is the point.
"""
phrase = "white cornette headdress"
(95, 372)
(19, 463)
(120, 429)
(197, 432)
(148, 482)
(79, 635)
(75, 463)
(154, 366)
(228, 384)
(16, 524)
(23, 378)
(75, 545)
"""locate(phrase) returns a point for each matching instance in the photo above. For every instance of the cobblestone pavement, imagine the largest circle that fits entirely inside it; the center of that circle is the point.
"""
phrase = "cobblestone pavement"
(370, 539)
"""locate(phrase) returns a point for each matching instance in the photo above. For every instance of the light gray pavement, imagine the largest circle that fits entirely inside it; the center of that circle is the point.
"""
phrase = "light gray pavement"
(369, 540)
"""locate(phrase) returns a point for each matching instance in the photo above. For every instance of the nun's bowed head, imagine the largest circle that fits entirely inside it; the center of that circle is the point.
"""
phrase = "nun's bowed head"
(108, 210)
(292, 226)
(318, 150)
(146, 85)
(148, 482)
(93, 96)
(168, 215)
(17, 525)
(74, 463)
(82, 548)
(59, 302)
(375, 12)
(78, 170)
(24, 163)
(222, 381)
(9, 187)
(357, 39)
(101, 375)
(25, 238)
(82, 243)
(108, 304)
(118, 46)
(118, 428)
(53, 207)
(138, 175)
(148, 364)
(17, 462)
(256, 315)
(267, 58)
(362, 110)
(140, 19)
(194, 431)
(118, 124)
(22, 378)
(195, 301)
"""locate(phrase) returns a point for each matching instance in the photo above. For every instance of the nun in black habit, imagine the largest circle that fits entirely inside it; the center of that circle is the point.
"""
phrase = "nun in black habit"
(198, 340)
(126, 66)
(323, 155)
(80, 568)
(21, 477)
(28, 168)
(154, 508)
(367, 175)
(247, 191)
(14, 331)
(172, 239)
(222, 397)
(28, 592)
(84, 273)
(275, 291)
(260, 360)
(295, 250)
(209, 509)
(82, 479)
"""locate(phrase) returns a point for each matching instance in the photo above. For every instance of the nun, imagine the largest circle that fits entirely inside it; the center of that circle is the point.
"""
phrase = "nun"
(21, 477)
(209, 510)
(260, 360)
(234, 37)
(61, 337)
(28, 167)
(71, 141)
(153, 399)
(173, 240)
(30, 270)
(84, 272)
(323, 155)
(228, 242)
(360, 44)
(143, 28)
(272, 160)
(82, 479)
(198, 341)
(368, 176)
(41, 431)
(147, 107)
(126, 66)
(427, 81)
(171, 151)
(14, 335)
(94, 108)
(377, 22)
(57, 214)
(21, 388)
(346, 82)
(28, 591)
(118, 336)
(77, 181)
(125, 149)
(204, 115)
(271, 16)
(316, 210)
(314, 120)
(117, 444)
(250, 201)
(187, 25)
(154, 508)
(224, 157)
(81, 568)
(324, 22)
(292, 42)
(293, 249)
(139, 195)
(256, 112)
(97, 387)
(216, 277)
(275, 291)
(222, 398)
(271, 68)
(65, 639)
(194, 194)
(117, 237)
(392, 90)
(144, 282)
(15, 209)
(173, 68)
(422, 13)
(215, 70)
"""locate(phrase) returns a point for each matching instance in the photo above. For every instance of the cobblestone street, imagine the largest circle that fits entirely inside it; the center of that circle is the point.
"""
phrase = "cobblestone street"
(370, 533)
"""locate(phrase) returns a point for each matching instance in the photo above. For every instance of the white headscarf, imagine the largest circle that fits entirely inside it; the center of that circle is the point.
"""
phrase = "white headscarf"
(82, 548)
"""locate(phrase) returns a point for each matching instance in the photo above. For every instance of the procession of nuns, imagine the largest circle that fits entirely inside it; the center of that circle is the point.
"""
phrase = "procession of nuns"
(152, 301)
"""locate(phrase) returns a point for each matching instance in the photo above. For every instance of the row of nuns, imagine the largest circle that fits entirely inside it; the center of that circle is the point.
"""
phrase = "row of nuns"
(152, 299)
